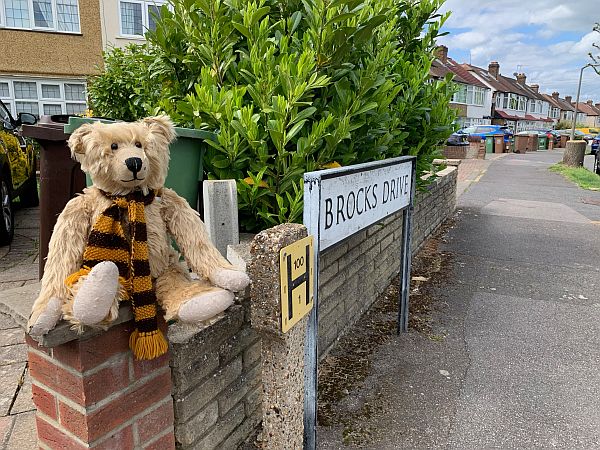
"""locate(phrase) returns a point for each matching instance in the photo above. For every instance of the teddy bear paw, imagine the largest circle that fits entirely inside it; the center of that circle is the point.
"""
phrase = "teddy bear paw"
(232, 280)
(41, 323)
(205, 306)
(96, 294)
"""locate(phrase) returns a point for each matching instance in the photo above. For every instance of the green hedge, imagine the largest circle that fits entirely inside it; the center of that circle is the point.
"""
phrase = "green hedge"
(289, 87)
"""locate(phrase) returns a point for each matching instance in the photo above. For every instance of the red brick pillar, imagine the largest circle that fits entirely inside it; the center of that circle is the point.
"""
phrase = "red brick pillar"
(93, 394)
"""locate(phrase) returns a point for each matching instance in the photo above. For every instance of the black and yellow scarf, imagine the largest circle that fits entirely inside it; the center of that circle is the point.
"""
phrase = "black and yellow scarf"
(107, 242)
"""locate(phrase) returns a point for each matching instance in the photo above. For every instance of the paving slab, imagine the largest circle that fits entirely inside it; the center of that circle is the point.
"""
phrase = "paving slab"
(10, 379)
(23, 435)
(533, 377)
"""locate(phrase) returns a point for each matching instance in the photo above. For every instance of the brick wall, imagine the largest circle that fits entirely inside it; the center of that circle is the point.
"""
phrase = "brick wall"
(93, 394)
(359, 268)
(207, 392)
(461, 151)
(217, 382)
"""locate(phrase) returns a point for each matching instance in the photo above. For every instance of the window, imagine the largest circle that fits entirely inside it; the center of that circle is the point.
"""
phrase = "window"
(522, 103)
(43, 15)
(50, 91)
(479, 96)
(43, 96)
(17, 13)
(4, 92)
(137, 16)
(475, 95)
(513, 102)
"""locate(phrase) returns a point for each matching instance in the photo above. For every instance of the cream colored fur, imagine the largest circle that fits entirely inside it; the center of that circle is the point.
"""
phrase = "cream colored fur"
(168, 216)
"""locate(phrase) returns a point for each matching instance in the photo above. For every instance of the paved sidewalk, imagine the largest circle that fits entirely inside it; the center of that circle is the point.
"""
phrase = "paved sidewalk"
(18, 267)
(471, 170)
(513, 356)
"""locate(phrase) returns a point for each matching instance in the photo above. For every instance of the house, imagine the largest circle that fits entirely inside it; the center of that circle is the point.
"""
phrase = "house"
(126, 21)
(48, 49)
(555, 107)
(591, 112)
(473, 100)
(515, 104)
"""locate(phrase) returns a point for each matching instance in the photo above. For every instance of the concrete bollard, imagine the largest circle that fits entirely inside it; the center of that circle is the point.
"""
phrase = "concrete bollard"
(221, 213)
(574, 153)
(282, 354)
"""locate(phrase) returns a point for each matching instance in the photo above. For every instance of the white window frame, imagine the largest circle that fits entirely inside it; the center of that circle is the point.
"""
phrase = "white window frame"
(10, 101)
(53, 29)
(145, 17)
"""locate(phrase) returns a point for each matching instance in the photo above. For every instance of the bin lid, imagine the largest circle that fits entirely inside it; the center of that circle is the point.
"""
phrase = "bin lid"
(45, 131)
(76, 122)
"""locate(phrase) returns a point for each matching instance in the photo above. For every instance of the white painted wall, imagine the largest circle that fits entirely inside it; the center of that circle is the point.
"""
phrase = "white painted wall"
(111, 27)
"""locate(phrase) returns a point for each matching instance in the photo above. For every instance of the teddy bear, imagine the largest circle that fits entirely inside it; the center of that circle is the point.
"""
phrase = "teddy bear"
(112, 243)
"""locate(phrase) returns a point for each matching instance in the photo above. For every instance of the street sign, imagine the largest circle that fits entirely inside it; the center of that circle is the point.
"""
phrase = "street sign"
(297, 281)
(338, 203)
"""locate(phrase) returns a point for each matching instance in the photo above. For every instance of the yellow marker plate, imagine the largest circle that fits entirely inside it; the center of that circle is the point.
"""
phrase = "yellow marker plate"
(296, 275)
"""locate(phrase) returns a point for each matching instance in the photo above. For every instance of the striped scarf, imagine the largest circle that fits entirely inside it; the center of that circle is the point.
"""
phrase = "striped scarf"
(107, 242)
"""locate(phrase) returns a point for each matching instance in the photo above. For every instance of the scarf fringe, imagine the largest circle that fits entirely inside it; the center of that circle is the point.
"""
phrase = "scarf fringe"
(74, 277)
(148, 345)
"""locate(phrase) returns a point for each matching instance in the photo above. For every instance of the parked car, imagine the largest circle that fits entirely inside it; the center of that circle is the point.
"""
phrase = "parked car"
(550, 134)
(17, 169)
(595, 144)
(458, 139)
(578, 135)
(482, 131)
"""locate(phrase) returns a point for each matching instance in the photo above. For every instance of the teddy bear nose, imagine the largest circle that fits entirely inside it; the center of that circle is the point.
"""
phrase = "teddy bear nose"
(134, 164)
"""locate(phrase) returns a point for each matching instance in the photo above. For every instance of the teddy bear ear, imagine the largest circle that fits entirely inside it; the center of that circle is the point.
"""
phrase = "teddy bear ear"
(76, 140)
(161, 125)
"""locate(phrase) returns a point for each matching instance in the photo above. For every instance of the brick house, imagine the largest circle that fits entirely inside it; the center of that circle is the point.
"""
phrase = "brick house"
(49, 48)
(473, 100)
(515, 104)
(591, 113)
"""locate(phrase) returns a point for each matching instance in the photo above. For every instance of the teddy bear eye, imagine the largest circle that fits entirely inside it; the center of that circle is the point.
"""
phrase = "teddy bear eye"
(114, 146)
(138, 144)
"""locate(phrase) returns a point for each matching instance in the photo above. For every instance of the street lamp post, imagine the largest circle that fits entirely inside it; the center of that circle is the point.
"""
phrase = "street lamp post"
(577, 100)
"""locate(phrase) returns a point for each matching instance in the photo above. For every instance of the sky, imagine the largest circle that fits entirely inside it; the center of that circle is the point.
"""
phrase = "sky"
(548, 40)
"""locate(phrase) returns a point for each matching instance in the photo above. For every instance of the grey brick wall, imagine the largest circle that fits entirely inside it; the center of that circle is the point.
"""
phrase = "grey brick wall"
(217, 383)
(357, 270)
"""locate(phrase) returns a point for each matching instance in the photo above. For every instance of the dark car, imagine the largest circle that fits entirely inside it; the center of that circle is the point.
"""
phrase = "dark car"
(482, 131)
(595, 144)
(17, 169)
(458, 138)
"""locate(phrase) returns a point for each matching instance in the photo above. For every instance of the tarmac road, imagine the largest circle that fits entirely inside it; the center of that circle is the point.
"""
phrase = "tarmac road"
(514, 358)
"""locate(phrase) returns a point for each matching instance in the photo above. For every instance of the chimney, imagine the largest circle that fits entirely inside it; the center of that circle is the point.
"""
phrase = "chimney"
(494, 69)
(535, 88)
(555, 95)
(590, 102)
(568, 99)
(521, 78)
(441, 52)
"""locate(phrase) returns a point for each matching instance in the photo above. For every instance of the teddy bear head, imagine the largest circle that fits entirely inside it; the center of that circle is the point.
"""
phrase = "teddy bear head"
(122, 157)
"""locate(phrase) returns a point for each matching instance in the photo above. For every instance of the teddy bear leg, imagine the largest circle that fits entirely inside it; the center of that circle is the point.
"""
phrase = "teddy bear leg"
(190, 300)
(95, 296)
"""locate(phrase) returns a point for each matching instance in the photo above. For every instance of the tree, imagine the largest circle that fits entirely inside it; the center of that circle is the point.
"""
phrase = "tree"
(596, 58)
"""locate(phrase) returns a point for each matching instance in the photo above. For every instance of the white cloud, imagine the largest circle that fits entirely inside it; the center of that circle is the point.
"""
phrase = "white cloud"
(549, 40)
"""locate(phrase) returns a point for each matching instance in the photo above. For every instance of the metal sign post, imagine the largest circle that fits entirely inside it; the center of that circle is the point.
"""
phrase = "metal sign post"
(338, 203)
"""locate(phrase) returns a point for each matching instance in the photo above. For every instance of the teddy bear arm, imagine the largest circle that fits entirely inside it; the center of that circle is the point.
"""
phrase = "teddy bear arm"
(185, 225)
(65, 251)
